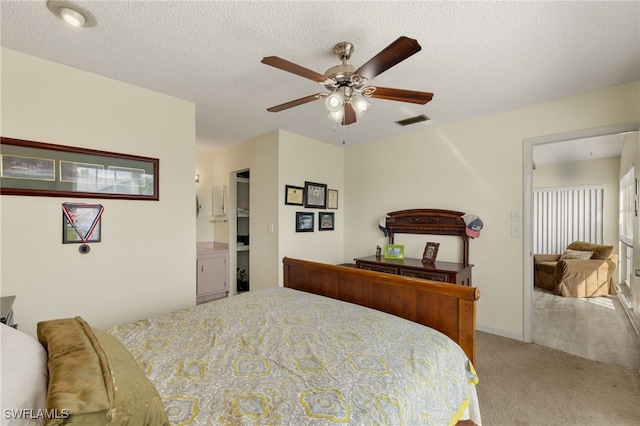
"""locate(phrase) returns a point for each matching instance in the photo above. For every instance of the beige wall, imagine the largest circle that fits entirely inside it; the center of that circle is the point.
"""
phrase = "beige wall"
(302, 159)
(604, 172)
(277, 159)
(260, 156)
(474, 166)
(145, 262)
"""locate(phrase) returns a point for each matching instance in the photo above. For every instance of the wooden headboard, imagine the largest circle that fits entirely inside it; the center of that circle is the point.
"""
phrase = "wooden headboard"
(448, 308)
(429, 221)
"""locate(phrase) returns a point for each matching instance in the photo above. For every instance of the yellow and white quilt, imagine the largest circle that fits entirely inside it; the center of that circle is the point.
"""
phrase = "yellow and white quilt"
(284, 357)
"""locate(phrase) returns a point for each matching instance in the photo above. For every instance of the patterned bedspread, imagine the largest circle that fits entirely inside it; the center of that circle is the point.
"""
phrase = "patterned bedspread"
(281, 356)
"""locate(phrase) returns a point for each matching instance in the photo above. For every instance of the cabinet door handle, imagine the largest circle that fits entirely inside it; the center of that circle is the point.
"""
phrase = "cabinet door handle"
(201, 268)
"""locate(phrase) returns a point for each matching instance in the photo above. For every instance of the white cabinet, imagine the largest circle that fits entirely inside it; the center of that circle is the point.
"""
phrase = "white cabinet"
(212, 275)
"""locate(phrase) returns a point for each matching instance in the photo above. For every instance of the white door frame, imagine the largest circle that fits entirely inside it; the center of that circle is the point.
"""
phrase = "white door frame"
(527, 218)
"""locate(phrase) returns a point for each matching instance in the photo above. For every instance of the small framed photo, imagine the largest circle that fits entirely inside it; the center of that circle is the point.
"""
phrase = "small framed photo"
(81, 223)
(304, 221)
(332, 199)
(430, 252)
(293, 195)
(326, 221)
(315, 195)
(394, 251)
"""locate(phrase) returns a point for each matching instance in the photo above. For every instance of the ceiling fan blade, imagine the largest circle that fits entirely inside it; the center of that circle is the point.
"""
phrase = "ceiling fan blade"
(296, 102)
(397, 94)
(285, 65)
(391, 55)
(349, 115)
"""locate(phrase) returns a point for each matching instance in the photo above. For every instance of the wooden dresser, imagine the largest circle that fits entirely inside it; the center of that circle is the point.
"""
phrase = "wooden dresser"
(446, 272)
(424, 221)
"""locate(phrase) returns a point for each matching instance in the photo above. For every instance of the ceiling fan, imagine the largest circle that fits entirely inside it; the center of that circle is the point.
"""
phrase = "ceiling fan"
(347, 83)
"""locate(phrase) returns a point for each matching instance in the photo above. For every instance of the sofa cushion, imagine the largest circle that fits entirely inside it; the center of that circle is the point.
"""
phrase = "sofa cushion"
(600, 251)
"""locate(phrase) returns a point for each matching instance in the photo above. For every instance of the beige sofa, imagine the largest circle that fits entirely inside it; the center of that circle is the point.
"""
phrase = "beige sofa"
(572, 277)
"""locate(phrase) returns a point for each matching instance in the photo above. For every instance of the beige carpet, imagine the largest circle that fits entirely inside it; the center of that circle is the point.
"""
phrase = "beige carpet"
(529, 384)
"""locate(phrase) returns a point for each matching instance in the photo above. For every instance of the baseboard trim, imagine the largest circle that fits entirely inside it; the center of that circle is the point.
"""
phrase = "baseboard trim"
(632, 318)
(499, 332)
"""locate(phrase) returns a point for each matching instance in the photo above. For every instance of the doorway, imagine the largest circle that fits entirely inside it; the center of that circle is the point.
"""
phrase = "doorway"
(243, 234)
(528, 164)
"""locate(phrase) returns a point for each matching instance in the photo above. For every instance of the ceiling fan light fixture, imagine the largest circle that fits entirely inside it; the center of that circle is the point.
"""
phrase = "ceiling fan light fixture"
(334, 101)
(345, 82)
(336, 115)
(360, 105)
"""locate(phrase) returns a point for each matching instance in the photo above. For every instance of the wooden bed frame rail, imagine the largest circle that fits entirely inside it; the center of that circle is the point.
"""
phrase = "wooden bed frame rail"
(448, 308)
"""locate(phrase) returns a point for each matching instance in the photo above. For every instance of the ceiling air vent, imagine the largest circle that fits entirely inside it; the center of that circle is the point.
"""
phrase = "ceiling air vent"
(412, 120)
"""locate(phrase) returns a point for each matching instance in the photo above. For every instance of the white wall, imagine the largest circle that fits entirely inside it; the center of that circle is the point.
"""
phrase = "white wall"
(302, 159)
(474, 166)
(145, 262)
(603, 172)
(631, 156)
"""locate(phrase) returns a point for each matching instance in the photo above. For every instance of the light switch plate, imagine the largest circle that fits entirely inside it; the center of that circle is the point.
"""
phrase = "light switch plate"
(515, 215)
(515, 231)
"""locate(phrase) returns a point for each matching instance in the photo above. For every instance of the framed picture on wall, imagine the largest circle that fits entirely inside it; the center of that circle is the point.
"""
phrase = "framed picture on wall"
(293, 195)
(81, 223)
(315, 195)
(304, 221)
(332, 198)
(46, 170)
(326, 221)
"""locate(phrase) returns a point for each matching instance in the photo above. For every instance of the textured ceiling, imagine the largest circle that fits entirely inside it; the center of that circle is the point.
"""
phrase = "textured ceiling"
(477, 57)
(579, 149)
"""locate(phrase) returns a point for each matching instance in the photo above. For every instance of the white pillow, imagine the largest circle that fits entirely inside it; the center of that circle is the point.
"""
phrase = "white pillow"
(23, 378)
(576, 254)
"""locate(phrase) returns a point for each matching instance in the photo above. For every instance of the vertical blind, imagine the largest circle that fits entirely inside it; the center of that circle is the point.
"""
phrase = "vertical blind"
(564, 215)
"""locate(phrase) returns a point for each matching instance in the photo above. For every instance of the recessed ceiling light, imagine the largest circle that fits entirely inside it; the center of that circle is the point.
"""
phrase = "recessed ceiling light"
(71, 13)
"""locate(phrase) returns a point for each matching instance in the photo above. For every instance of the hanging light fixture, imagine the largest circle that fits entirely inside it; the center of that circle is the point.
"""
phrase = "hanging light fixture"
(71, 13)
(360, 105)
(335, 101)
(343, 95)
(337, 115)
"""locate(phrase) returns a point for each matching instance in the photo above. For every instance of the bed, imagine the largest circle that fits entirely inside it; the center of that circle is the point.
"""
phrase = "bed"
(292, 355)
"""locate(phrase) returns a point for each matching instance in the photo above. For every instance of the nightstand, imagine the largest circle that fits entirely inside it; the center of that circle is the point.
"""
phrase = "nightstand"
(6, 311)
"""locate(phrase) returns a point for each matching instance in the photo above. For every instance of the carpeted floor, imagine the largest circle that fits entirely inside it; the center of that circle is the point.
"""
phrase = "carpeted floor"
(529, 384)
